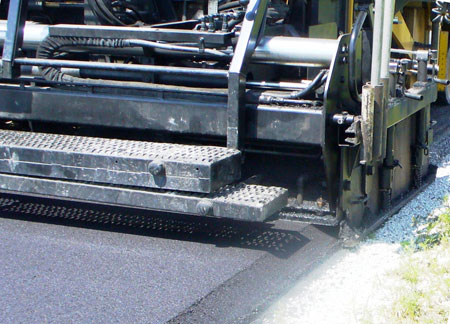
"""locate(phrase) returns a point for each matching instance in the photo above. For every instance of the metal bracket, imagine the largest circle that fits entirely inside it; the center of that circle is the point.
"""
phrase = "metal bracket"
(395, 164)
(251, 32)
(213, 7)
(14, 37)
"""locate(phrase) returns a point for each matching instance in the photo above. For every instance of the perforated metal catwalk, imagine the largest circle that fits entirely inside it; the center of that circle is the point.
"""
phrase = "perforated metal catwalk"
(123, 162)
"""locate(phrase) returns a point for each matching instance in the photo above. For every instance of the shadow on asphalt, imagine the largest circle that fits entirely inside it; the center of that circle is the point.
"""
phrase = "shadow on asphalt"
(281, 243)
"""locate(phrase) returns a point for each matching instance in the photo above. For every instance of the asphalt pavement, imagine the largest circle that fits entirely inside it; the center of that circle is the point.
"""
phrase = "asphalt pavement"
(67, 262)
(70, 262)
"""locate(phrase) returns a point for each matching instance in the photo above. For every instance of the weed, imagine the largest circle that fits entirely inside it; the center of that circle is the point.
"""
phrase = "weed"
(408, 306)
(410, 273)
(422, 290)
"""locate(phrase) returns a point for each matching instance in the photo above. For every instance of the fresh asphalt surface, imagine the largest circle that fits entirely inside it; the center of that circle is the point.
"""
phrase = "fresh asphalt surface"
(78, 263)
(67, 262)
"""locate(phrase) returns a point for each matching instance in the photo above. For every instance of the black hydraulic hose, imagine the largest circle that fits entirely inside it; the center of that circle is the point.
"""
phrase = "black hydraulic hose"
(103, 13)
(318, 81)
(315, 83)
(230, 5)
(51, 46)
(235, 22)
(352, 83)
(171, 47)
(283, 101)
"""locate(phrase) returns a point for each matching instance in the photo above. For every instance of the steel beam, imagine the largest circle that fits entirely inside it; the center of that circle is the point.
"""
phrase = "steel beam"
(401, 108)
(240, 201)
(251, 32)
(14, 36)
(198, 113)
(193, 168)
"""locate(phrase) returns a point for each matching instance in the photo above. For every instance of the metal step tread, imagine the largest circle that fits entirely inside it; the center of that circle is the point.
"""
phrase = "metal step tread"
(305, 216)
(124, 162)
(240, 201)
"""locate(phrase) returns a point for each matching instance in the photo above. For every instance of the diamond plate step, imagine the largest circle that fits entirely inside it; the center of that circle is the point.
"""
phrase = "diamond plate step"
(122, 162)
(239, 201)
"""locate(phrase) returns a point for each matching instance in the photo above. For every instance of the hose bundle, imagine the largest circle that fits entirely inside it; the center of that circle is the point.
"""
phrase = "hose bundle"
(317, 82)
(52, 46)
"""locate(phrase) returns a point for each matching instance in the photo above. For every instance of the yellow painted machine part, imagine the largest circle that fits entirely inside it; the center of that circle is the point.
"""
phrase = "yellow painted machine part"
(415, 18)
(401, 33)
(351, 7)
(442, 58)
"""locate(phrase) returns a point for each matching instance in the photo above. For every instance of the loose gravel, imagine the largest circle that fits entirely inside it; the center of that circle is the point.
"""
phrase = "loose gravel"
(350, 284)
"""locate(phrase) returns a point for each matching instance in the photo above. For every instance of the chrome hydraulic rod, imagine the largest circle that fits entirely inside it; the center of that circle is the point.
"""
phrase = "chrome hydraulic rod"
(299, 51)
(389, 7)
(122, 67)
(377, 42)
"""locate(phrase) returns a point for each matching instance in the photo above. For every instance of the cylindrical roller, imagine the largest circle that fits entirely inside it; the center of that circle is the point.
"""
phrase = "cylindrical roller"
(33, 35)
(279, 50)
(377, 42)
(296, 50)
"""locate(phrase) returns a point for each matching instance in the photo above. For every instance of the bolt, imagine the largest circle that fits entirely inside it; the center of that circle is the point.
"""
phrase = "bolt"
(205, 207)
(156, 168)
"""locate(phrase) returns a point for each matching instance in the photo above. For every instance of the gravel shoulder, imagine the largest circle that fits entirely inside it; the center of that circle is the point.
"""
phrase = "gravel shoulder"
(352, 283)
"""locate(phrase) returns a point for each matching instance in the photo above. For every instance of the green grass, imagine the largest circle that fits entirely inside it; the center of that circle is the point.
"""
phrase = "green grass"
(410, 273)
(437, 231)
(422, 291)
(408, 306)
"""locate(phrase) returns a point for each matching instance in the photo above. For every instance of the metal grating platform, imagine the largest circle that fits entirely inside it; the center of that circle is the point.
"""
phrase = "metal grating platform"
(122, 162)
(240, 201)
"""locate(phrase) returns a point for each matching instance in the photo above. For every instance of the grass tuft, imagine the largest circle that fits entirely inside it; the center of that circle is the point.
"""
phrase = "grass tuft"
(421, 289)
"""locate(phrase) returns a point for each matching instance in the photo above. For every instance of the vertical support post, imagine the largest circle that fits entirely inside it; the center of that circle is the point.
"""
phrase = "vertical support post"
(17, 13)
(442, 59)
(435, 33)
(422, 57)
(389, 7)
(351, 8)
(236, 110)
(252, 30)
(424, 139)
(213, 7)
(388, 170)
(367, 124)
(377, 41)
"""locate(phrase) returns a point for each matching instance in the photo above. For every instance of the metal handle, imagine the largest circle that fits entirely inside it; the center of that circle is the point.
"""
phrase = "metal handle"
(441, 81)
(413, 96)
(252, 10)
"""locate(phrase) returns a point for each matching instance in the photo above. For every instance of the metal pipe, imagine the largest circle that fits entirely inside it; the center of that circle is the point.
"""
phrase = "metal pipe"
(402, 51)
(279, 49)
(413, 96)
(296, 50)
(33, 34)
(422, 71)
(122, 67)
(377, 41)
(441, 81)
(352, 83)
(435, 32)
(389, 7)
(367, 124)
(172, 47)
(276, 85)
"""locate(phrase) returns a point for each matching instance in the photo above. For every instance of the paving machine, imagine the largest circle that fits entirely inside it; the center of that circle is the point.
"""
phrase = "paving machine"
(309, 110)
